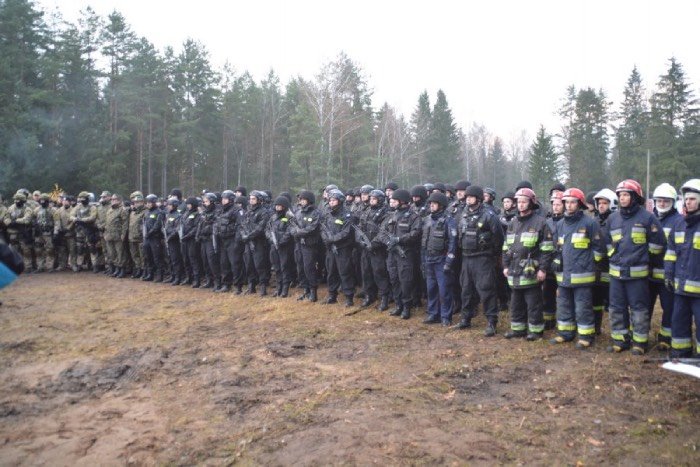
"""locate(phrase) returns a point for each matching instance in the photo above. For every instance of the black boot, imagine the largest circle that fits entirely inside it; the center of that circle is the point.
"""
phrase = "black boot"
(239, 289)
(148, 275)
(109, 270)
(186, 281)
(306, 294)
(331, 299)
(120, 274)
(284, 293)
(175, 281)
(217, 285)
(397, 311)
(313, 295)
(250, 290)
(384, 304)
(278, 292)
(490, 330)
(368, 300)
(406, 313)
(465, 323)
(207, 284)
(224, 288)
(158, 276)
(263, 290)
(136, 274)
(195, 283)
(349, 301)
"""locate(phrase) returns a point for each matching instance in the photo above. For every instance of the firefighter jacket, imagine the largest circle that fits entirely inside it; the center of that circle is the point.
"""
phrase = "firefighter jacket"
(579, 247)
(634, 238)
(682, 260)
(528, 248)
(439, 240)
(667, 221)
(480, 232)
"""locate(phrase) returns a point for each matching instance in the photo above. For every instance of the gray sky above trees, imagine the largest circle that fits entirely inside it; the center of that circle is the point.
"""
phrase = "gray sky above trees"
(505, 64)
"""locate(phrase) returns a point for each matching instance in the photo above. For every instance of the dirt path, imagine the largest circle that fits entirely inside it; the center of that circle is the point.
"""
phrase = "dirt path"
(105, 371)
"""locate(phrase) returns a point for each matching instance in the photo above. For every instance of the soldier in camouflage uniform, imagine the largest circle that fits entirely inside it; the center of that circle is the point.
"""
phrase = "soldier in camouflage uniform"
(102, 209)
(86, 235)
(18, 220)
(115, 229)
(3, 227)
(138, 210)
(44, 220)
(64, 236)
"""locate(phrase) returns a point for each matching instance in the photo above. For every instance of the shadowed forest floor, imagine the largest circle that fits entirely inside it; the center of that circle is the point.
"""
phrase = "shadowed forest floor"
(97, 370)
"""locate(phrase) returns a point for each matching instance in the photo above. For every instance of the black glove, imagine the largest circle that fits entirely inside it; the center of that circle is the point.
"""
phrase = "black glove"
(669, 285)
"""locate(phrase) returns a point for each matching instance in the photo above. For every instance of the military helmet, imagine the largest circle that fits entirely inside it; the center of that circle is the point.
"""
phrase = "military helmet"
(490, 191)
(449, 188)
(210, 196)
(439, 198)
(151, 198)
(337, 194)
(136, 196)
(174, 202)
(508, 195)
(105, 194)
(402, 196)
(476, 191)
(379, 194)
(193, 201)
(366, 189)
(282, 201)
(523, 184)
(308, 196)
(439, 186)
(462, 185)
(391, 186)
(36, 193)
(84, 194)
(228, 194)
(331, 187)
(429, 186)
(24, 191)
(44, 197)
(19, 197)
(419, 190)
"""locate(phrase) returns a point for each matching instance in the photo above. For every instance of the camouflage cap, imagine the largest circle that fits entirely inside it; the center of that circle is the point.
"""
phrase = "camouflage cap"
(36, 193)
(19, 197)
(45, 197)
(83, 194)
(105, 193)
(136, 196)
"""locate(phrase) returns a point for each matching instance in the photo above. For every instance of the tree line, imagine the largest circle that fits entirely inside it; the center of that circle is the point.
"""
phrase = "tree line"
(93, 105)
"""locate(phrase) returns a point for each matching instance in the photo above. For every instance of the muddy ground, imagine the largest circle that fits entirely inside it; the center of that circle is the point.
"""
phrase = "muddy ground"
(104, 371)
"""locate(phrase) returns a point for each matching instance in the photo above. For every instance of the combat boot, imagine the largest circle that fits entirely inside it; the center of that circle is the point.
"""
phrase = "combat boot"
(514, 334)
(464, 323)
(195, 283)
(490, 330)
(349, 301)
(639, 348)
(186, 280)
(158, 276)
(136, 274)
(304, 295)
(406, 313)
(583, 344)
(109, 270)
(224, 288)
(284, 293)
(217, 286)
(384, 304)
(313, 295)
(263, 290)
(331, 299)
(397, 311)
(121, 273)
(250, 290)
(368, 300)
(148, 275)
(207, 284)
(533, 336)
(239, 289)
(95, 269)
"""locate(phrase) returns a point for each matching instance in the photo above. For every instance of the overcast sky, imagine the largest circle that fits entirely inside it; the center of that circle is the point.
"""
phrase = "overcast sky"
(505, 64)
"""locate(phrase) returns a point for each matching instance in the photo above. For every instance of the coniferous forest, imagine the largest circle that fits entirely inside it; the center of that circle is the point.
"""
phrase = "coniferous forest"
(94, 105)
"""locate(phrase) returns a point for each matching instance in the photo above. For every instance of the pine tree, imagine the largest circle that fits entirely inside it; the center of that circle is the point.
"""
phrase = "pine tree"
(442, 158)
(543, 165)
(629, 156)
(420, 132)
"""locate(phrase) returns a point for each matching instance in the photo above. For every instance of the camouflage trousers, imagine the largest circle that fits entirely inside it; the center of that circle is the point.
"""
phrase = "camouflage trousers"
(66, 253)
(136, 250)
(84, 249)
(114, 253)
(44, 251)
(23, 247)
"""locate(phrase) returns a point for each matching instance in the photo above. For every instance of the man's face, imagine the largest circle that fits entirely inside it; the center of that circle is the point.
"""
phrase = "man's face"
(394, 203)
(333, 202)
(115, 201)
(66, 203)
(691, 202)
(388, 192)
(434, 206)
(472, 201)
(571, 206)
(507, 204)
(206, 201)
(225, 200)
(663, 204)
(523, 204)
(36, 197)
(603, 205)
(349, 198)
(625, 198)
(461, 194)
(373, 201)
(138, 203)
(150, 205)
(104, 199)
(303, 202)
(487, 198)
(416, 199)
(253, 200)
(280, 208)
(364, 197)
(557, 206)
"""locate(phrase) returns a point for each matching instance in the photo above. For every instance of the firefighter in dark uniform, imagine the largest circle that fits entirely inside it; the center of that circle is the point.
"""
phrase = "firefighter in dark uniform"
(172, 242)
(527, 255)
(439, 244)
(257, 248)
(338, 235)
(282, 251)
(401, 234)
(226, 229)
(635, 237)
(605, 204)
(549, 286)
(480, 240)
(306, 231)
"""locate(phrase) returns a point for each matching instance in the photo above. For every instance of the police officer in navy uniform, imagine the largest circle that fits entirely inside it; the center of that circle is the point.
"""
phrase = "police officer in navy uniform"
(172, 241)
(282, 245)
(152, 242)
(439, 245)
(226, 229)
(480, 241)
(306, 231)
(401, 233)
(205, 237)
(339, 237)
(257, 248)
